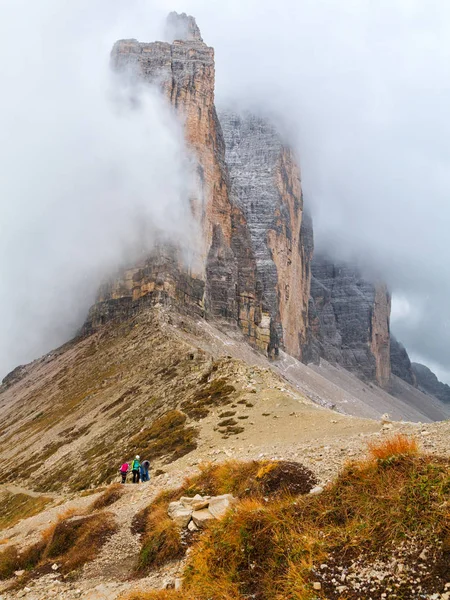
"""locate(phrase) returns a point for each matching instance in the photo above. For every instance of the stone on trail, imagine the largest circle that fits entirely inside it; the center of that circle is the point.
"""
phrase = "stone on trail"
(316, 490)
(188, 501)
(178, 583)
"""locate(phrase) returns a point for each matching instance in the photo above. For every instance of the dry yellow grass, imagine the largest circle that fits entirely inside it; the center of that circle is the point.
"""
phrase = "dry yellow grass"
(71, 541)
(15, 507)
(161, 541)
(394, 446)
(156, 595)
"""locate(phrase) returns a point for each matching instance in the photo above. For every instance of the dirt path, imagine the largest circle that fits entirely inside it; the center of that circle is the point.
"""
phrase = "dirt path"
(18, 489)
(119, 555)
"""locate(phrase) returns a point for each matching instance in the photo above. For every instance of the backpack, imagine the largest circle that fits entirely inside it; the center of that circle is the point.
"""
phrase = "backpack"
(136, 465)
(124, 468)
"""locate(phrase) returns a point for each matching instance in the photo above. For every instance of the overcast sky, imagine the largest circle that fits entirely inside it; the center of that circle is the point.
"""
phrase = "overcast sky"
(361, 86)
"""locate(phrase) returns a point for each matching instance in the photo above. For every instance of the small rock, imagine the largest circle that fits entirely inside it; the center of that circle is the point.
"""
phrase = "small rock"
(317, 586)
(179, 514)
(55, 567)
(316, 490)
(192, 526)
(19, 573)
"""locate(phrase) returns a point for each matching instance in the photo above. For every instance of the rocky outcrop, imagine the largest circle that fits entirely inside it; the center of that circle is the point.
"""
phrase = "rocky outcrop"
(400, 362)
(349, 321)
(265, 184)
(157, 279)
(428, 383)
(416, 374)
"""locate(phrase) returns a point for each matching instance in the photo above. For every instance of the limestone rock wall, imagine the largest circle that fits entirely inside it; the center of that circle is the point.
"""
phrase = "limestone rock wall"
(349, 321)
(157, 279)
(185, 70)
(265, 184)
(416, 374)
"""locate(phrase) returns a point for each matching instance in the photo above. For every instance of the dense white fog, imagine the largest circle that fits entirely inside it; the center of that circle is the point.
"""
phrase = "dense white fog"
(82, 168)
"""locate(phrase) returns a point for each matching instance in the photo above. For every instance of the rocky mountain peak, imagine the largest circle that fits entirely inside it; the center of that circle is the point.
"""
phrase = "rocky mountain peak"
(182, 27)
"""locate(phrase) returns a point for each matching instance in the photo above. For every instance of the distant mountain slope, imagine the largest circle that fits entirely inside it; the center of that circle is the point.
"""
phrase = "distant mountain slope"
(430, 384)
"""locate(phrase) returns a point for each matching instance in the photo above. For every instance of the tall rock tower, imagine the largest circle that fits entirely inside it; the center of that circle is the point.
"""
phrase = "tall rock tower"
(256, 244)
(253, 269)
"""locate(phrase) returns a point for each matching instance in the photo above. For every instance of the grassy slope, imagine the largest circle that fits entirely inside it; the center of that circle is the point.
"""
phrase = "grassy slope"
(79, 412)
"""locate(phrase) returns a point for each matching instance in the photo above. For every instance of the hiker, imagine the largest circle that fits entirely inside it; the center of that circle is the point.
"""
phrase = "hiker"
(124, 472)
(136, 468)
(145, 466)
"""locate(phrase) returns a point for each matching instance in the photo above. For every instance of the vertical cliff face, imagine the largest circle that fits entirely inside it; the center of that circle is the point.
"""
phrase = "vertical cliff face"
(350, 320)
(185, 70)
(380, 340)
(265, 184)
